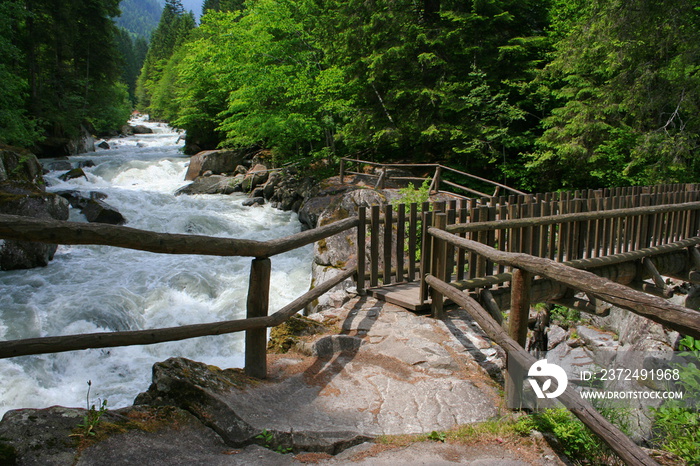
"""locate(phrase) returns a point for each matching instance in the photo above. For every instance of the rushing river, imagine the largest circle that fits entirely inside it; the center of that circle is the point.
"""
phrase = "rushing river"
(101, 289)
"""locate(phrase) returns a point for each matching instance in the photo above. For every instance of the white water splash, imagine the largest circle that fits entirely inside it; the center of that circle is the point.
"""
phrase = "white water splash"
(98, 289)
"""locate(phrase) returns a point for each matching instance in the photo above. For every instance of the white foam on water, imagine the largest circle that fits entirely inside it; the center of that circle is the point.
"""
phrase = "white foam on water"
(88, 289)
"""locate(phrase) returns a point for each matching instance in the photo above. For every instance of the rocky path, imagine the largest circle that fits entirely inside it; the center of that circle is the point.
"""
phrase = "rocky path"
(379, 370)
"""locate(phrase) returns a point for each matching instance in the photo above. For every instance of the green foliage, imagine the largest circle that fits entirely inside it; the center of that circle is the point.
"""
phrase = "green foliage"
(112, 107)
(437, 436)
(410, 194)
(676, 423)
(576, 440)
(564, 316)
(58, 66)
(16, 126)
(268, 438)
(156, 75)
(92, 418)
(620, 95)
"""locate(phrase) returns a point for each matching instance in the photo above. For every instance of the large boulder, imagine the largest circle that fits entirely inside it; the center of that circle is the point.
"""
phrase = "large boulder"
(142, 129)
(215, 161)
(255, 177)
(333, 255)
(291, 190)
(214, 184)
(58, 146)
(99, 211)
(223, 401)
(19, 164)
(23, 198)
(93, 207)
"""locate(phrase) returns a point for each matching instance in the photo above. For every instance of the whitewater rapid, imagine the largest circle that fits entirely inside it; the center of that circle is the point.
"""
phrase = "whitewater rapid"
(101, 289)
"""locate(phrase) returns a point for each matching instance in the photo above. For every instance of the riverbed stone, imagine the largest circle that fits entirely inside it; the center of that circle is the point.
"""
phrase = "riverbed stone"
(73, 174)
(253, 201)
(214, 184)
(142, 129)
(24, 198)
(98, 211)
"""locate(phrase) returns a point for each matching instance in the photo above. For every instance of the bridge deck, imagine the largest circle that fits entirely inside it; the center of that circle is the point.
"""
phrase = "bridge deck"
(406, 295)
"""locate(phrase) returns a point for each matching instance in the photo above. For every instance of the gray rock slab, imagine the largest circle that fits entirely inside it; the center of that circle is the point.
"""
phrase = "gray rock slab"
(186, 442)
(433, 454)
(401, 380)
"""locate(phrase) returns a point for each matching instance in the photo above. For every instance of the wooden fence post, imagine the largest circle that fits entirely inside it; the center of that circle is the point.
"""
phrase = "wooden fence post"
(361, 235)
(438, 270)
(342, 171)
(374, 246)
(425, 259)
(517, 330)
(257, 306)
(388, 230)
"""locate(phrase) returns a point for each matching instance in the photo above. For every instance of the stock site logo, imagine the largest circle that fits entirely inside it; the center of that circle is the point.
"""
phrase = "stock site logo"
(544, 369)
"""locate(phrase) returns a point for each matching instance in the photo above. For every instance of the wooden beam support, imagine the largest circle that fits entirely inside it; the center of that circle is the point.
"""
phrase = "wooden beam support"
(521, 285)
(571, 217)
(517, 330)
(491, 306)
(656, 276)
(581, 305)
(22, 228)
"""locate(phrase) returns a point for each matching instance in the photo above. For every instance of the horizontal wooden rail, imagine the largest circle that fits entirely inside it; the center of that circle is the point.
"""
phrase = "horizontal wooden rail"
(435, 166)
(679, 318)
(590, 263)
(22, 228)
(568, 218)
(402, 165)
(625, 448)
(482, 179)
(60, 344)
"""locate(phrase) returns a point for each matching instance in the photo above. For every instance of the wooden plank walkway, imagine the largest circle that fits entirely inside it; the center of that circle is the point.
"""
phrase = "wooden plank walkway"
(406, 295)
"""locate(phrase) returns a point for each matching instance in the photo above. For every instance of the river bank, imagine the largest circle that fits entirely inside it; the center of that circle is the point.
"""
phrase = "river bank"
(375, 371)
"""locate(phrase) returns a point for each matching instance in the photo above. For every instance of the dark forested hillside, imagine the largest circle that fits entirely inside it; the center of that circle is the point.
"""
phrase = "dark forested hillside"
(63, 71)
(139, 17)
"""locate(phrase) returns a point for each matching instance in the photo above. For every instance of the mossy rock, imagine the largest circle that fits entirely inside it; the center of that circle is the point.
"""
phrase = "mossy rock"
(285, 336)
(8, 454)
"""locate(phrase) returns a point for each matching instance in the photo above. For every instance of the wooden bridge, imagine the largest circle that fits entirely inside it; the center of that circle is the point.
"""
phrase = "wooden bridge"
(486, 255)
(585, 229)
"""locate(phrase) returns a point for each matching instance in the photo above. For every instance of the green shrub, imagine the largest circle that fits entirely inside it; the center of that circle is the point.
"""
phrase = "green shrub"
(677, 423)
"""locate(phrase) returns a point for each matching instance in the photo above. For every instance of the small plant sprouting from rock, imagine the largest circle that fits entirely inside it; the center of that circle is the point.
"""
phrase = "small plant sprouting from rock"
(92, 417)
(437, 436)
(267, 438)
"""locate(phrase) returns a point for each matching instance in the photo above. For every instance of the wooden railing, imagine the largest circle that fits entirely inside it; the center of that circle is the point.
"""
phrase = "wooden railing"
(436, 181)
(587, 240)
(562, 226)
(622, 445)
(52, 231)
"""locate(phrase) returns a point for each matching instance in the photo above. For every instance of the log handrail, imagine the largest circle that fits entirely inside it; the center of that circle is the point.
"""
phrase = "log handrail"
(60, 344)
(20, 228)
(622, 445)
(436, 166)
(589, 263)
(679, 318)
(568, 218)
